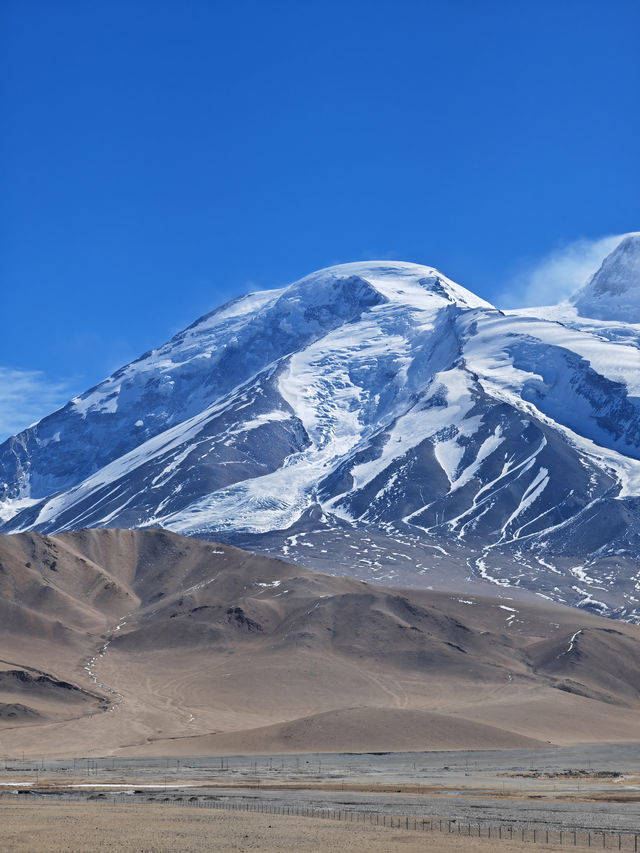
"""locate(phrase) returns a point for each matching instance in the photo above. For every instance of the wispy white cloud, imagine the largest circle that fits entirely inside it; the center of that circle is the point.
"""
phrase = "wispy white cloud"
(558, 274)
(26, 396)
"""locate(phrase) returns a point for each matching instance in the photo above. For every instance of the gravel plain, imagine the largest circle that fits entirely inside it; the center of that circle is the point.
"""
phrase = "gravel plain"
(590, 788)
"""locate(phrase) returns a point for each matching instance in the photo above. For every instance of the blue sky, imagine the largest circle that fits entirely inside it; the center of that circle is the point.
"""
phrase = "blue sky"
(158, 158)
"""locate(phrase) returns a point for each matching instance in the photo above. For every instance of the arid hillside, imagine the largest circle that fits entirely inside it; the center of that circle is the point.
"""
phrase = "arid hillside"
(148, 642)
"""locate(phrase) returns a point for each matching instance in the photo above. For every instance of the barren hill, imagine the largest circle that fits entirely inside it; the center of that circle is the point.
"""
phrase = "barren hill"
(148, 641)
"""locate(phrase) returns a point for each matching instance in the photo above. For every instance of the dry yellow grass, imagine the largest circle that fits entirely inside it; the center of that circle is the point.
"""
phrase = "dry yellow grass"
(86, 828)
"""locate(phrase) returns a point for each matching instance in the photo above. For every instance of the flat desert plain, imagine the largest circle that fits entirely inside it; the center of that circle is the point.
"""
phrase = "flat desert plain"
(86, 828)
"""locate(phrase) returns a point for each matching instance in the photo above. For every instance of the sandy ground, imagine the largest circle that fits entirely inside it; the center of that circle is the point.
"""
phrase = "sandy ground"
(85, 828)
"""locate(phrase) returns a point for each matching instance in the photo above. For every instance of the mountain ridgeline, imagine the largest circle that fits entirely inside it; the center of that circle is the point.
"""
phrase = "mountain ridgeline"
(147, 642)
(373, 419)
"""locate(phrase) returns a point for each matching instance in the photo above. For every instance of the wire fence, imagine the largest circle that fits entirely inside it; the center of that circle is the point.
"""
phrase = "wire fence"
(579, 838)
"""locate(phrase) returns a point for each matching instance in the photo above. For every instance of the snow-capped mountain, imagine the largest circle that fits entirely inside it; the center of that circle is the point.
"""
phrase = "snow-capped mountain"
(613, 293)
(375, 419)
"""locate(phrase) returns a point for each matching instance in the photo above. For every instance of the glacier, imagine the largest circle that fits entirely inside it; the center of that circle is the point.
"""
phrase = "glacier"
(376, 419)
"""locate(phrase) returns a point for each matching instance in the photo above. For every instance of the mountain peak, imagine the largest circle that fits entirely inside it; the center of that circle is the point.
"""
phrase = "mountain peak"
(400, 281)
(374, 416)
(613, 292)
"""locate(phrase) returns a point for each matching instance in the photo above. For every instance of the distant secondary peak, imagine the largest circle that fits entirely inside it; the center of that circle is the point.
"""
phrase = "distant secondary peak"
(613, 292)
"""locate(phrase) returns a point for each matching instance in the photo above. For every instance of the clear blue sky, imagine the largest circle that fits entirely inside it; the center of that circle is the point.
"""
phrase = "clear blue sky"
(158, 158)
